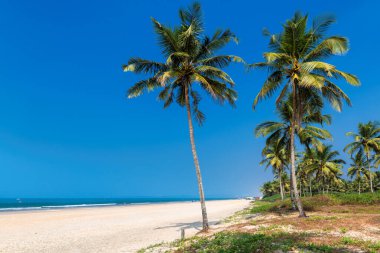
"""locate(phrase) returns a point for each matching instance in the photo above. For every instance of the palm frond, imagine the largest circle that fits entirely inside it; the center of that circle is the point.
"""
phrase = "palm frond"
(166, 38)
(139, 65)
(270, 86)
(333, 45)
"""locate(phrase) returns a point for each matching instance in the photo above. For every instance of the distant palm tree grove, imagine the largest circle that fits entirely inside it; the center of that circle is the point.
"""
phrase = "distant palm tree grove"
(298, 147)
(319, 168)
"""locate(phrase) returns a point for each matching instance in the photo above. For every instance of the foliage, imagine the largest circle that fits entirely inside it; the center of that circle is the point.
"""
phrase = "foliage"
(231, 242)
(324, 164)
(315, 202)
(367, 142)
(308, 133)
(296, 65)
(263, 206)
(296, 61)
(190, 63)
(356, 199)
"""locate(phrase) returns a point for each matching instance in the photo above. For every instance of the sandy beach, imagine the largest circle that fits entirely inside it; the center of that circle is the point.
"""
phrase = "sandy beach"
(105, 229)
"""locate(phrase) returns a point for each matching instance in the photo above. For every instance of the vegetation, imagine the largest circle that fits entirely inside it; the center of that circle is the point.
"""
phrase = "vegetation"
(275, 156)
(323, 164)
(278, 134)
(308, 171)
(270, 188)
(358, 169)
(190, 64)
(366, 141)
(314, 203)
(296, 63)
(230, 242)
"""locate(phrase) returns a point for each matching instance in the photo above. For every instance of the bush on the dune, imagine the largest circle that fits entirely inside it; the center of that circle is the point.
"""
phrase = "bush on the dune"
(315, 202)
(356, 199)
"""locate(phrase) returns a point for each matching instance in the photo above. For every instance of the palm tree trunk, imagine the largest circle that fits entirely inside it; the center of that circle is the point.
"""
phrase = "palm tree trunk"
(196, 163)
(292, 194)
(293, 158)
(323, 185)
(311, 192)
(370, 176)
(359, 186)
(281, 189)
(293, 172)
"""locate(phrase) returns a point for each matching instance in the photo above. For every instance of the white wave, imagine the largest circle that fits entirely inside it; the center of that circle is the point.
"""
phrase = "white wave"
(80, 205)
(20, 208)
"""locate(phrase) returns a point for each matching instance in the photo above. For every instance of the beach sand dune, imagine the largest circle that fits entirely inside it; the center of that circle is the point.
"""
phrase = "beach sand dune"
(105, 229)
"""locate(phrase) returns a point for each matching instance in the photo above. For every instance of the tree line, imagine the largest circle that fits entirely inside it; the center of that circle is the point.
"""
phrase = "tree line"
(297, 71)
(319, 169)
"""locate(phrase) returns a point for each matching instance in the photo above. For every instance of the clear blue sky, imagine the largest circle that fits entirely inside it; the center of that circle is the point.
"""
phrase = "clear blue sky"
(66, 129)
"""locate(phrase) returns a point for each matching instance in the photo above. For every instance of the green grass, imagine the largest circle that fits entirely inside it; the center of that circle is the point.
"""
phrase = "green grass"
(321, 218)
(269, 239)
(356, 199)
(313, 203)
(153, 246)
(231, 242)
(262, 207)
(273, 198)
(370, 246)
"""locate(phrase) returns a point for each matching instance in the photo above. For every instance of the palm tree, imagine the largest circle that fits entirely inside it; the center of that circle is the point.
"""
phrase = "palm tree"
(303, 177)
(190, 63)
(358, 168)
(367, 140)
(296, 63)
(323, 163)
(269, 188)
(275, 155)
(308, 134)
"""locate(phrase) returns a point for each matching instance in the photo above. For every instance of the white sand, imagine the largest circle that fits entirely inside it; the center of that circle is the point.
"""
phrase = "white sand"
(105, 229)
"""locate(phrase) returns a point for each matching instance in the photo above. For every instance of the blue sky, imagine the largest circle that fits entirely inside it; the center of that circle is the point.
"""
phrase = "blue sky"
(67, 130)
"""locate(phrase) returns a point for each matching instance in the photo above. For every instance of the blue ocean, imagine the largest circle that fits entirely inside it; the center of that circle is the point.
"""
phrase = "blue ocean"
(23, 204)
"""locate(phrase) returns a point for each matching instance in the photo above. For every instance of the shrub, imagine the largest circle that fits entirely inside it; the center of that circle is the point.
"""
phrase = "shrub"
(357, 199)
(234, 242)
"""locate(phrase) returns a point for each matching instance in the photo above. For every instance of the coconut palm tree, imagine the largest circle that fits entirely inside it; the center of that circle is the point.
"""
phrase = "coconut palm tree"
(269, 188)
(303, 177)
(308, 134)
(358, 168)
(190, 64)
(275, 156)
(296, 62)
(304, 171)
(323, 163)
(367, 140)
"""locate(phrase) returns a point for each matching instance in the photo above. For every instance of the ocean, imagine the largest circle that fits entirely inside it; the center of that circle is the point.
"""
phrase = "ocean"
(23, 204)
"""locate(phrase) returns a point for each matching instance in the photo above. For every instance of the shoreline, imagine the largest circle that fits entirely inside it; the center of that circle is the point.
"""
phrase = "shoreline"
(126, 228)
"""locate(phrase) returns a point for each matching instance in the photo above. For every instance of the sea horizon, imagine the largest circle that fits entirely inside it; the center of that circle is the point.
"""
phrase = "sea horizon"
(25, 204)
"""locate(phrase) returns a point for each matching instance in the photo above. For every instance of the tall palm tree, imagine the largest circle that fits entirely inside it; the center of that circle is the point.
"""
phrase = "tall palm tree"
(275, 156)
(324, 164)
(190, 64)
(367, 140)
(296, 62)
(308, 133)
(358, 168)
